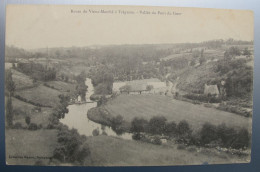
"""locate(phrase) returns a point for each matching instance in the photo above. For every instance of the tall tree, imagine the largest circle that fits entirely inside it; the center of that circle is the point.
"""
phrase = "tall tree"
(9, 83)
(9, 112)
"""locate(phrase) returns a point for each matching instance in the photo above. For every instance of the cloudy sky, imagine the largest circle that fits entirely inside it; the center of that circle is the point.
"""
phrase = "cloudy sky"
(41, 26)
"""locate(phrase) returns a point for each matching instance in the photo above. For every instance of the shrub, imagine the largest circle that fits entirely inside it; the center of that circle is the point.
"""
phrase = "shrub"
(27, 120)
(183, 128)
(116, 123)
(33, 126)
(81, 153)
(95, 132)
(208, 133)
(136, 136)
(71, 148)
(242, 139)
(181, 146)
(170, 128)
(138, 125)
(157, 125)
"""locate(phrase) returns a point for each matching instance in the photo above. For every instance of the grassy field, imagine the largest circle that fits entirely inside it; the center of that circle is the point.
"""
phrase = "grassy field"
(22, 109)
(147, 106)
(33, 144)
(21, 80)
(110, 151)
(41, 94)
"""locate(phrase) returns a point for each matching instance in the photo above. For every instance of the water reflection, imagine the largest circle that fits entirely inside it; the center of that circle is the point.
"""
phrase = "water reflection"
(77, 118)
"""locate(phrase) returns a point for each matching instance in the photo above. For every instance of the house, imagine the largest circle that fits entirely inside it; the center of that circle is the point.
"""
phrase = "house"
(211, 90)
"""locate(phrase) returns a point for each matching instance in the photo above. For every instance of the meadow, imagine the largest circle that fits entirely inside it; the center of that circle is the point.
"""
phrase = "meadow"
(149, 105)
(111, 151)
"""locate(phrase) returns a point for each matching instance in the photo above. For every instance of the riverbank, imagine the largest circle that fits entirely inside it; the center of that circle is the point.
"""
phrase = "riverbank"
(102, 116)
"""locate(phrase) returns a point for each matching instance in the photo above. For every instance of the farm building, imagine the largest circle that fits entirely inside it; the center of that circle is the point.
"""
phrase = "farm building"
(140, 86)
(211, 90)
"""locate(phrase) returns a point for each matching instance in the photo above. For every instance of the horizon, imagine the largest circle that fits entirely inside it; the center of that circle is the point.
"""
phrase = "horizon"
(107, 45)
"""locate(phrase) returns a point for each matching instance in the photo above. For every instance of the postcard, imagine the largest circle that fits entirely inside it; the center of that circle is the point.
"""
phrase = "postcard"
(128, 85)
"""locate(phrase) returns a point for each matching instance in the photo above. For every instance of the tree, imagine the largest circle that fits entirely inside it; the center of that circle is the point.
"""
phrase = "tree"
(9, 112)
(28, 120)
(157, 125)
(183, 128)
(116, 124)
(138, 125)
(149, 87)
(246, 52)
(208, 133)
(9, 83)
(170, 128)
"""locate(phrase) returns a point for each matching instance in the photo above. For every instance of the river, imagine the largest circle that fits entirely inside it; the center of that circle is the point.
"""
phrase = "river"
(77, 118)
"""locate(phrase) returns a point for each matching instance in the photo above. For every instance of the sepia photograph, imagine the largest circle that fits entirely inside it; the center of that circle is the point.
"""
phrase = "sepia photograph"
(128, 85)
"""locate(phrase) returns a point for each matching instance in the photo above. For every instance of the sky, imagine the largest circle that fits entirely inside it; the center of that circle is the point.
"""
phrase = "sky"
(41, 26)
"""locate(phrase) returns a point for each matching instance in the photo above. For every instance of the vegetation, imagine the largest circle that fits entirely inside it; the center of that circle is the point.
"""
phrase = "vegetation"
(81, 88)
(148, 106)
(37, 71)
(9, 83)
(9, 112)
(72, 147)
(27, 120)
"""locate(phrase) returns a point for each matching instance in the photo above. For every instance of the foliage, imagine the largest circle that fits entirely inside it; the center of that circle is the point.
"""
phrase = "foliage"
(9, 83)
(149, 87)
(9, 112)
(103, 88)
(157, 140)
(208, 133)
(239, 76)
(95, 132)
(157, 125)
(246, 52)
(231, 52)
(170, 128)
(183, 128)
(33, 126)
(102, 100)
(71, 146)
(81, 88)
(116, 124)
(27, 120)
(138, 125)
(102, 80)
(37, 71)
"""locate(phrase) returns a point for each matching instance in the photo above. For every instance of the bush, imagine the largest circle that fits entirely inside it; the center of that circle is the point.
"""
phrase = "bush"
(27, 120)
(95, 132)
(181, 146)
(208, 133)
(136, 136)
(33, 126)
(71, 148)
(170, 128)
(116, 124)
(183, 128)
(138, 125)
(157, 125)
(242, 139)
